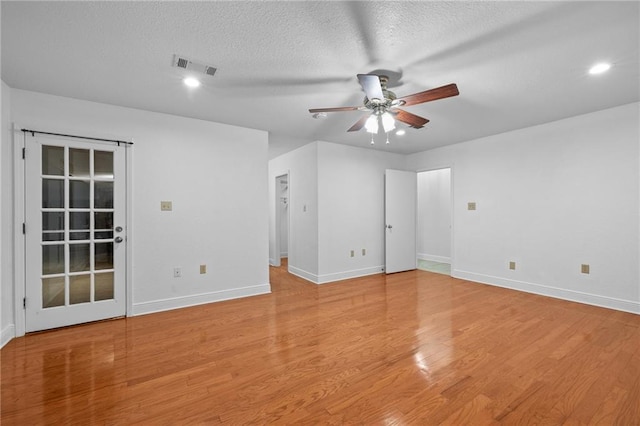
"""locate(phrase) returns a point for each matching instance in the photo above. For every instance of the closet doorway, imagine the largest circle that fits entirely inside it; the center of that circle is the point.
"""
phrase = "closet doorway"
(434, 221)
(282, 219)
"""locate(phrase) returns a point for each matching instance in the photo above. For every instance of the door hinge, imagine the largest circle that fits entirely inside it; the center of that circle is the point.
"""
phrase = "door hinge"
(24, 228)
(24, 303)
(24, 153)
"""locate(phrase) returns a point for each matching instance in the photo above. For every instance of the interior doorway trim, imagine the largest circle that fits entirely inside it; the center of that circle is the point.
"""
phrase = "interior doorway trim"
(278, 218)
(451, 167)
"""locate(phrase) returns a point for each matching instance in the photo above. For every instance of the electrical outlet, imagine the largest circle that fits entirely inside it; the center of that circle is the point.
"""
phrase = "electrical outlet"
(584, 268)
(364, 252)
(353, 253)
(166, 206)
(471, 205)
(512, 266)
(177, 272)
(203, 269)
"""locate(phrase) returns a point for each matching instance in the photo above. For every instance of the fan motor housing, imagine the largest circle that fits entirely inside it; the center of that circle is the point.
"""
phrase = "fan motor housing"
(381, 105)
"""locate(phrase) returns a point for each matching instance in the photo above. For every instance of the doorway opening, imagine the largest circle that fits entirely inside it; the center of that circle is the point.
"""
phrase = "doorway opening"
(282, 220)
(434, 221)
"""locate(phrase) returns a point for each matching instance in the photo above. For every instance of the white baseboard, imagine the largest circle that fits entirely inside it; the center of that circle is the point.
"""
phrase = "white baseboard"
(8, 333)
(434, 258)
(555, 292)
(345, 275)
(272, 261)
(150, 307)
(303, 274)
(336, 276)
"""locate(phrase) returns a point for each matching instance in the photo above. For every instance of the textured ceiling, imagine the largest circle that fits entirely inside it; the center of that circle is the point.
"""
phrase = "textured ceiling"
(516, 64)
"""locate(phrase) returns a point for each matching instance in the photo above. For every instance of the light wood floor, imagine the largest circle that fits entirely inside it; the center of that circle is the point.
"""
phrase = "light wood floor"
(410, 348)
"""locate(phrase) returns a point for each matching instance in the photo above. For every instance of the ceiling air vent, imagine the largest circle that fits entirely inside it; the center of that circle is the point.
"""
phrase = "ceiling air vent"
(188, 64)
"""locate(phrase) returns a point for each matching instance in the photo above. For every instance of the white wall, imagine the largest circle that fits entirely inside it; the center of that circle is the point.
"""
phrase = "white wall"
(302, 167)
(351, 209)
(7, 328)
(214, 174)
(434, 215)
(550, 197)
(343, 190)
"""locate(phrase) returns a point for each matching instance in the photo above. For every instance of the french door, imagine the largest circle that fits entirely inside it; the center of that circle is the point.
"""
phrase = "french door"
(75, 231)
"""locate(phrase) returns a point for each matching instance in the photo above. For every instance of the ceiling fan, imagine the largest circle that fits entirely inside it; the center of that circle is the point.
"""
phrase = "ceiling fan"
(384, 104)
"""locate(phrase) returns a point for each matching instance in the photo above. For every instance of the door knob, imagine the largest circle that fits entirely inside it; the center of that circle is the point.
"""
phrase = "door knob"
(389, 226)
(118, 239)
(118, 228)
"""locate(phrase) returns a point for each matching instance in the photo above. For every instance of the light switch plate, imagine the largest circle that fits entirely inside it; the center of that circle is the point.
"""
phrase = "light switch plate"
(512, 266)
(471, 205)
(166, 206)
(203, 269)
(584, 268)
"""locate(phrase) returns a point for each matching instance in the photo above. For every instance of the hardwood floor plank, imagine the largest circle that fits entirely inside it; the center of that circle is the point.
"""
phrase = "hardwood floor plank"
(409, 348)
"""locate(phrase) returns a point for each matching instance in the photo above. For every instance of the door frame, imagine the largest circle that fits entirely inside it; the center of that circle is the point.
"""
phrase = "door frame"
(278, 218)
(449, 166)
(19, 217)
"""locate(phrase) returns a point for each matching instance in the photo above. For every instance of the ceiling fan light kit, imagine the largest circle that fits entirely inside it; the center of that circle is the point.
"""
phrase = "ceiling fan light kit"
(383, 104)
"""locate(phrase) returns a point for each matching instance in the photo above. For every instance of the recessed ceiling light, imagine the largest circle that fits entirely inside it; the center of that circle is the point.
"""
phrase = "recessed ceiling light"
(191, 82)
(401, 132)
(599, 68)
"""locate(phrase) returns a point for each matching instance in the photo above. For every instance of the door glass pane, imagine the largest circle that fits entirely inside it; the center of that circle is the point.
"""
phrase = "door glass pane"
(78, 194)
(52, 292)
(52, 160)
(52, 226)
(52, 221)
(104, 255)
(104, 286)
(104, 235)
(53, 259)
(79, 259)
(103, 164)
(79, 225)
(79, 220)
(103, 195)
(75, 236)
(103, 220)
(52, 193)
(79, 289)
(53, 236)
(79, 162)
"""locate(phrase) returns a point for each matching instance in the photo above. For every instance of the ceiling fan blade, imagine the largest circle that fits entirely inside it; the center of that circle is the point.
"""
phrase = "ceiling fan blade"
(411, 119)
(430, 95)
(336, 109)
(359, 124)
(371, 85)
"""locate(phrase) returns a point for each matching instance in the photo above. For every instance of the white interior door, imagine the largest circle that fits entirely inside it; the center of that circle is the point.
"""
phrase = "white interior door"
(400, 193)
(75, 231)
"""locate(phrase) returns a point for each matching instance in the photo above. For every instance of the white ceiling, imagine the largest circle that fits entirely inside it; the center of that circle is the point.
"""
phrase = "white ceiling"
(516, 64)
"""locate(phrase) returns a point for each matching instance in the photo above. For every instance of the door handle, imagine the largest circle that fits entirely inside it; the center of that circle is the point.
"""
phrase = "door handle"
(118, 239)
(389, 226)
